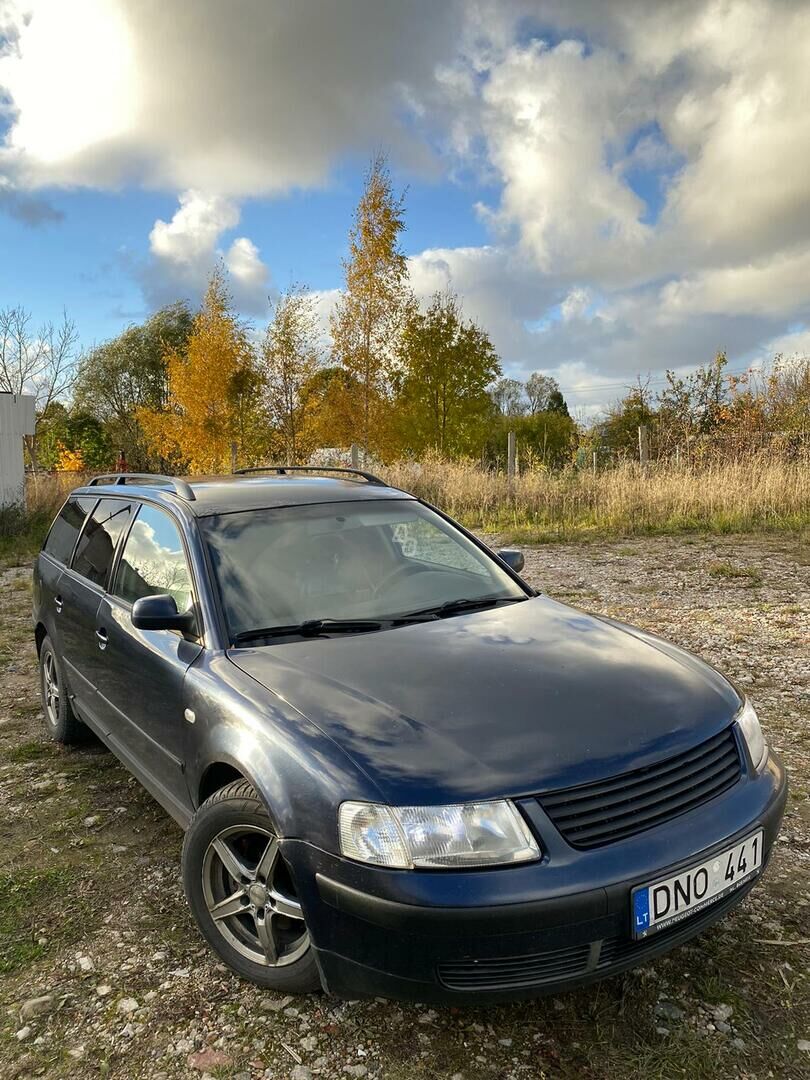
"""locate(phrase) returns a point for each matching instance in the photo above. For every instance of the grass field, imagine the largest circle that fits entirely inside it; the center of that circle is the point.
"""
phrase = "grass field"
(92, 915)
(749, 495)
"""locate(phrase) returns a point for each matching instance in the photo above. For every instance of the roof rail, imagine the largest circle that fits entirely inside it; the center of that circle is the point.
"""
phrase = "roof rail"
(282, 470)
(180, 487)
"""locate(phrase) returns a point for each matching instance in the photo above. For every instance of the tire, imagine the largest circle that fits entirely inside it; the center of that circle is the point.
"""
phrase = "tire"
(241, 893)
(61, 722)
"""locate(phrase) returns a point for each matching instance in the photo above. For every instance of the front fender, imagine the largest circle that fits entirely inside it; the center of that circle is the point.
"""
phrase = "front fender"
(300, 774)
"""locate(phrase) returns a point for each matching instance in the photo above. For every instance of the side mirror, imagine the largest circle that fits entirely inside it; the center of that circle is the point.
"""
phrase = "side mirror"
(160, 613)
(513, 559)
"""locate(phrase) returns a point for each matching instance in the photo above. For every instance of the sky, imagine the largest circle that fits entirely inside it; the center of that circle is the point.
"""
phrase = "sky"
(612, 187)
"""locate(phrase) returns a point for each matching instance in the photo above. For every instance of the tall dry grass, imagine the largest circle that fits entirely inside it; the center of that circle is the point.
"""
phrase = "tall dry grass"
(745, 495)
(23, 527)
(739, 496)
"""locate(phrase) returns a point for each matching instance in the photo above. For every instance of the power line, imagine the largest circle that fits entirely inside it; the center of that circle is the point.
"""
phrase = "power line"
(627, 385)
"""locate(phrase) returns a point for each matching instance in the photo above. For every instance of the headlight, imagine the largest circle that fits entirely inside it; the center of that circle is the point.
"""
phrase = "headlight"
(748, 722)
(466, 835)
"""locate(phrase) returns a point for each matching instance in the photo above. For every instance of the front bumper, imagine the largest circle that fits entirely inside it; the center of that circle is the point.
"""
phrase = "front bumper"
(468, 937)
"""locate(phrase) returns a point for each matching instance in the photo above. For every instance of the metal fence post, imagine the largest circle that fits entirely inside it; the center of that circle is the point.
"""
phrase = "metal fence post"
(355, 456)
(644, 444)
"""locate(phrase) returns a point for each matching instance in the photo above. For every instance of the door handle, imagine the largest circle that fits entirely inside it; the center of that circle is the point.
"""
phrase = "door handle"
(102, 638)
(57, 603)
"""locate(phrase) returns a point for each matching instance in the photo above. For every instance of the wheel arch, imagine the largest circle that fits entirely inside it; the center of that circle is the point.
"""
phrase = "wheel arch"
(224, 770)
(215, 776)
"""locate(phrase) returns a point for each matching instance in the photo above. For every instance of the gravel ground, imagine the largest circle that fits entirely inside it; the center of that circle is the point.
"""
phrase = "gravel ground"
(103, 973)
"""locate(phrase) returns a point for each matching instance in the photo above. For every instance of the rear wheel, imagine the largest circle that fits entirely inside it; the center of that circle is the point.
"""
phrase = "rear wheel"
(242, 895)
(61, 722)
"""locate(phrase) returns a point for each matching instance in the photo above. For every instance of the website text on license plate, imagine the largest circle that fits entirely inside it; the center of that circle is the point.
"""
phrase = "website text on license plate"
(657, 906)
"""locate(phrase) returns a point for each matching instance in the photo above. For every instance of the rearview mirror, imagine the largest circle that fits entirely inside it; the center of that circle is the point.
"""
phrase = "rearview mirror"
(513, 559)
(160, 613)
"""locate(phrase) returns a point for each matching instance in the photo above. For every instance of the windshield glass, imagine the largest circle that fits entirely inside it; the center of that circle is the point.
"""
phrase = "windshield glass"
(349, 560)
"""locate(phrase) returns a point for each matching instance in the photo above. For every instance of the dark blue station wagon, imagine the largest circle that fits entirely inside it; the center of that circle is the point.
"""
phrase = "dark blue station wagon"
(401, 771)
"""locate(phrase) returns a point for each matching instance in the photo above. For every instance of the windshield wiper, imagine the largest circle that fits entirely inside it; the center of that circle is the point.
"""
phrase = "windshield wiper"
(309, 628)
(456, 607)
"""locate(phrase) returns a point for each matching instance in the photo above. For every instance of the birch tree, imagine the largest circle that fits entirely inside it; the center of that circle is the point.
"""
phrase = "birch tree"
(40, 362)
(368, 317)
(291, 355)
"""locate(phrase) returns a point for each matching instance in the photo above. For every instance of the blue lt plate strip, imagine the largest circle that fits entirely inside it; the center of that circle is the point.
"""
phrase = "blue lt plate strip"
(641, 910)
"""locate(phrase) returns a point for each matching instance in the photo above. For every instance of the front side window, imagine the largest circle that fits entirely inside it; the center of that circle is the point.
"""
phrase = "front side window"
(64, 531)
(96, 547)
(153, 560)
(371, 560)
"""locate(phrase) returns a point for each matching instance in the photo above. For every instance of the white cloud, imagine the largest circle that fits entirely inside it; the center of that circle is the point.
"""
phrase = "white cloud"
(244, 100)
(773, 287)
(185, 249)
(796, 343)
(194, 230)
(646, 162)
(575, 304)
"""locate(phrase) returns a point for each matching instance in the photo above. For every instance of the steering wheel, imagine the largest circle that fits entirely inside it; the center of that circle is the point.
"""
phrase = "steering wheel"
(403, 570)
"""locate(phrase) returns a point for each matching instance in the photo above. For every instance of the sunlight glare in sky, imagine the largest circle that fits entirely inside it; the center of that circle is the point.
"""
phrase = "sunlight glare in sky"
(78, 84)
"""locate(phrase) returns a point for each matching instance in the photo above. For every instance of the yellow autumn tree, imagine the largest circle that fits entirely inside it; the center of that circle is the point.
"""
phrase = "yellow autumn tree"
(69, 460)
(213, 392)
(290, 358)
(369, 315)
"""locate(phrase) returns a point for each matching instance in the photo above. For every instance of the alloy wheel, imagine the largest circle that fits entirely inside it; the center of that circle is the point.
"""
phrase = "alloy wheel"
(50, 685)
(251, 898)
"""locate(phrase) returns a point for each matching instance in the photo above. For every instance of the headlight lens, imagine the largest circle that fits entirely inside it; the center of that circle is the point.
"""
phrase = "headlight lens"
(748, 722)
(466, 835)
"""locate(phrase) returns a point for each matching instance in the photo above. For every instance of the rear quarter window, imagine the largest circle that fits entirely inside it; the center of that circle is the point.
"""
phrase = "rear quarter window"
(61, 539)
(99, 538)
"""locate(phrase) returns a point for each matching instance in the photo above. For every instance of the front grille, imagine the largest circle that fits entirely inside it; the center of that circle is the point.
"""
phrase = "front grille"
(593, 815)
(516, 972)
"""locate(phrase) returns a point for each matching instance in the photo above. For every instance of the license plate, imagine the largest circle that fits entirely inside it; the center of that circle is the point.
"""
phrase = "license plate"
(664, 903)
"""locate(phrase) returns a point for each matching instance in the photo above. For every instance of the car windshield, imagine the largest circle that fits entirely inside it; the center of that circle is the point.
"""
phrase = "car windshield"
(369, 560)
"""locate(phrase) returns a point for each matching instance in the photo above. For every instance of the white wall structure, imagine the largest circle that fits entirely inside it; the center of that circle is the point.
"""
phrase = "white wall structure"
(16, 420)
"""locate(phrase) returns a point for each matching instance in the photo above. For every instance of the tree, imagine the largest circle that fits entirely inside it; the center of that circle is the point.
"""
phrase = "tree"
(508, 395)
(328, 400)
(556, 403)
(539, 390)
(447, 364)
(693, 405)
(213, 389)
(129, 373)
(368, 317)
(619, 431)
(41, 363)
(291, 356)
(547, 438)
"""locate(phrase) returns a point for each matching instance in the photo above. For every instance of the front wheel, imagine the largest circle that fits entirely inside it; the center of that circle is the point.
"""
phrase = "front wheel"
(242, 895)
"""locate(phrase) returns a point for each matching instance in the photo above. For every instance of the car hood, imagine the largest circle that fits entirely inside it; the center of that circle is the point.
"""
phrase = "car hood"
(513, 700)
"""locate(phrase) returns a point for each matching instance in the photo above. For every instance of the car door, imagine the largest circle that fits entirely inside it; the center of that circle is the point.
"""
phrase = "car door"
(141, 684)
(81, 588)
(55, 556)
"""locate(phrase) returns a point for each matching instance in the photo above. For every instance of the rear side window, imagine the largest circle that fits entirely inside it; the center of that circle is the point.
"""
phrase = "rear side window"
(153, 560)
(97, 543)
(62, 537)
